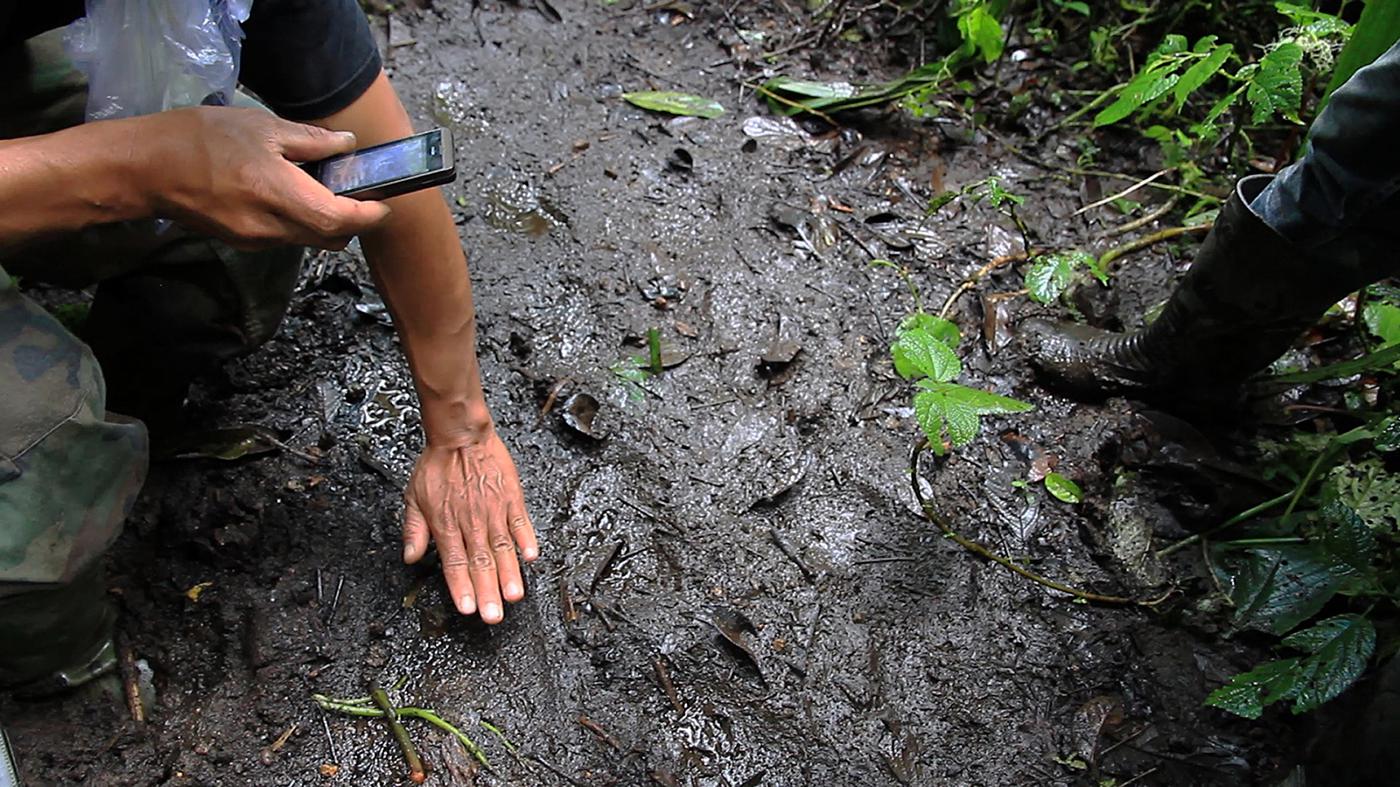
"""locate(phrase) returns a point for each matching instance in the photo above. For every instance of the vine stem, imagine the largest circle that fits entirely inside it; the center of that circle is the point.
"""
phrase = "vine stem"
(1139, 244)
(391, 717)
(981, 273)
(356, 707)
(1229, 523)
(981, 551)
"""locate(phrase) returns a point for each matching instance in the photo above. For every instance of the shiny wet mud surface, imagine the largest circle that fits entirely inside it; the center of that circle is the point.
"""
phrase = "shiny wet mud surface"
(763, 500)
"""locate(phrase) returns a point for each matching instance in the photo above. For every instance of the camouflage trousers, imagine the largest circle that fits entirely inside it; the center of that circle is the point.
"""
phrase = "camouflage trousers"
(165, 303)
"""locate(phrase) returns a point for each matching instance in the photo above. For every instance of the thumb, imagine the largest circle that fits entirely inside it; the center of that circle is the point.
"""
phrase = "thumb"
(415, 531)
(302, 142)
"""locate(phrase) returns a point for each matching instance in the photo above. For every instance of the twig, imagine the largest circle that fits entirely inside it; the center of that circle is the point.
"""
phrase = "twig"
(358, 707)
(1139, 244)
(791, 554)
(1125, 192)
(391, 717)
(977, 549)
(1143, 221)
(131, 683)
(971, 281)
(603, 735)
(501, 736)
(667, 686)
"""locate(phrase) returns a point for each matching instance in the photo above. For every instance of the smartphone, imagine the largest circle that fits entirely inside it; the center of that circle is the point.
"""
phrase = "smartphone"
(388, 170)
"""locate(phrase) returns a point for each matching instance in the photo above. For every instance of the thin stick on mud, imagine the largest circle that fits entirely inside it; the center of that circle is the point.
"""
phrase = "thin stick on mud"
(981, 273)
(603, 735)
(1143, 221)
(1125, 192)
(131, 682)
(664, 678)
(977, 549)
(391, 717)
(1138, 244)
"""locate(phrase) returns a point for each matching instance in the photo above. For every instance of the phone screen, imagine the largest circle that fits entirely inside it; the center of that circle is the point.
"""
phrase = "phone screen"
(383, 163)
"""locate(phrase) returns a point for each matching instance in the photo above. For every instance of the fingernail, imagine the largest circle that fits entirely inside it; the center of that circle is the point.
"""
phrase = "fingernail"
(407, 553)
(513, 589)
(531, 554)
(491, 611)
(346, 136)
(468, 605)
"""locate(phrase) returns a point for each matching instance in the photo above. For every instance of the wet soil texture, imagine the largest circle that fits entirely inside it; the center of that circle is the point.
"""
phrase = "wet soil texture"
(736, 587)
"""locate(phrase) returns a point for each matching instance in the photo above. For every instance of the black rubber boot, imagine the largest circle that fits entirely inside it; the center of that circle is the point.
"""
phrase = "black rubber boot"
(1247, 297)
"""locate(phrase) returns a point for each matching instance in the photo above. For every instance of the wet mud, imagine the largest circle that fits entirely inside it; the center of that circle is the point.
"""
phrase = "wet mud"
(736, 587)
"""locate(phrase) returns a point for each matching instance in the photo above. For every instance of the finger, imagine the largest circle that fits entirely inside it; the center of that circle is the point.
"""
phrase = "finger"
(303, 142)
(485, 581)
(304, 201)
(415, 531)
(507, 567)
(453, 552)
(522, 532)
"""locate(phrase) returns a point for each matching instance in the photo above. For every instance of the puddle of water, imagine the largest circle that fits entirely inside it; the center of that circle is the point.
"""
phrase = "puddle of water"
(518, 207)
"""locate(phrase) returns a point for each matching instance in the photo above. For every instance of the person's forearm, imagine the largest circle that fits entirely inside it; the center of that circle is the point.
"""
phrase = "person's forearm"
(421, 271)
(70, 179)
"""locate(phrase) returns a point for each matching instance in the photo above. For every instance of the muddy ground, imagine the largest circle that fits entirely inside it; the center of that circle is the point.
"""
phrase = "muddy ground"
(724, 490)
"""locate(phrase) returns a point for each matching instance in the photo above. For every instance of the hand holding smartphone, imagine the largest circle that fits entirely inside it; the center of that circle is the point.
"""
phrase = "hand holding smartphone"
(389, 169)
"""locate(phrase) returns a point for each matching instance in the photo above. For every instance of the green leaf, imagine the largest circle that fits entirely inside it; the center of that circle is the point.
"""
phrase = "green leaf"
(1367, 489)
(1340, 648)
(981, 32)
(943, 407)
(921, 354)
(1276, 588)
(1247, 693)
(813, 89)
(1383, 320)
(1388, 435)
(675, 103)
(1146, 87)
(1383, 359)
(1347, 542)
(1050, 274)
(1063, 489)
(1199, 73)
(945, 331)
(1277, 87)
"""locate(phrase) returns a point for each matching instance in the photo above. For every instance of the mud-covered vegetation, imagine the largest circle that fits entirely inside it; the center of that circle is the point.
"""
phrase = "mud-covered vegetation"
(748, 277)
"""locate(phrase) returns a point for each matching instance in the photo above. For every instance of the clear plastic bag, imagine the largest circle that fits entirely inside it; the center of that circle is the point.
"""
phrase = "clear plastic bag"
(146, 56)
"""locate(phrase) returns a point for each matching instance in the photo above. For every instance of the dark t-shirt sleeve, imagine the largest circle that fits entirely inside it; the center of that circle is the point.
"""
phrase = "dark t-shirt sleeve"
(308, 59)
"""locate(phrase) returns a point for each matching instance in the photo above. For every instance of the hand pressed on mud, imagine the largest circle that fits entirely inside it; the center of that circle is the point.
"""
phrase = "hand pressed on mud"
(467, 498)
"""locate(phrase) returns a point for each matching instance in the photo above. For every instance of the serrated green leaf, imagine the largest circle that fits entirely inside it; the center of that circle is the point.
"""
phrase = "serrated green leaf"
(1199, 73)
(1382, 320)
(1050, 274)
(675, 103)
(1277, 87)
(981, 32)
(1146, 87)
(1063, 489)
(1274, 589)
(920, 354)
(1339, 649)
(945, 331)
(1347, 542)
(943, 407)
(1248, 692)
